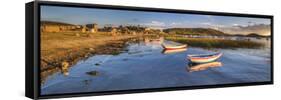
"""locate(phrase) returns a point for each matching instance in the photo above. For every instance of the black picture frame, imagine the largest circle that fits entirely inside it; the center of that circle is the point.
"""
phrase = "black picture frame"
(32, 42)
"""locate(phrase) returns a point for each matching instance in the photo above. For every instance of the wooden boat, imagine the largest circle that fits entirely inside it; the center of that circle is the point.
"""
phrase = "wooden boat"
(204, 66)
(173, 47)
(204, 58)
(165, 51)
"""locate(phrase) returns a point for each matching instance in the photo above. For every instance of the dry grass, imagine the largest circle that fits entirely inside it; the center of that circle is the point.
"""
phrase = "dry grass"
(59, 44)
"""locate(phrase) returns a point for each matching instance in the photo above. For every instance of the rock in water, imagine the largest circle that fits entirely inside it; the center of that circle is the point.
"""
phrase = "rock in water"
(64, 68)
(97, 64)
(65, 73)
(91, 49)
(93, 73)
(64, 65)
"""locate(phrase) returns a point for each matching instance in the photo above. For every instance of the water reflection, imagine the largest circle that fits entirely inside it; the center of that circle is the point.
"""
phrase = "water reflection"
(155, 40)
(87, 82)
(199, 67)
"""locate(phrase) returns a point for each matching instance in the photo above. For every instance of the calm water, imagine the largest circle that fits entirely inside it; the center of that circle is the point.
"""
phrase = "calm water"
(143, 65)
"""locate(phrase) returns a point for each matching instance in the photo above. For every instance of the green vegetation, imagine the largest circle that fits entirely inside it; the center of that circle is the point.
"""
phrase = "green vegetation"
(215, 43)
(93, 73)
(115, 53)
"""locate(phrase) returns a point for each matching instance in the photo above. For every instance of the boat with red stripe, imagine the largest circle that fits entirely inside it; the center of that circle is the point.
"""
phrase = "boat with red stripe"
(174, 47)
(204, 58)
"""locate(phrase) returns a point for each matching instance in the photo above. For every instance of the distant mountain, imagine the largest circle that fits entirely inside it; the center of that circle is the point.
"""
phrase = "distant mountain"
(55, 23)
(261, 29)
(255, 35)
(238, 35)
(251, 35)
(195, 31)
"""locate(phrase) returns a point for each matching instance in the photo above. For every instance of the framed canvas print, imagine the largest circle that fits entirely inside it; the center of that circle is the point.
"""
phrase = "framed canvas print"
(75, 49)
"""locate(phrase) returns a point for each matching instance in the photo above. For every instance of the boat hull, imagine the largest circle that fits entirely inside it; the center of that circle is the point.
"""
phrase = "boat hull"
(174, 47)
(165, 51)
(205, 58)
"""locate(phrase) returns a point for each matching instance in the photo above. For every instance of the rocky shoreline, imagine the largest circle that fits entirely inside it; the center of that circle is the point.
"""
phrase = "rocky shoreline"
(61, 63)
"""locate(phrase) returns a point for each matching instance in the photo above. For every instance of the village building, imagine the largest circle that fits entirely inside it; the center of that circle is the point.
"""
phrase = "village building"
(58, 28)
(84, 29)
(93, 28)
(114, 32)
(50, 28)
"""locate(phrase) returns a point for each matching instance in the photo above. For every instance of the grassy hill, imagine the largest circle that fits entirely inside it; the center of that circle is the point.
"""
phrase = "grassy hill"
(250, 35)
(255, 35)
(195, 31)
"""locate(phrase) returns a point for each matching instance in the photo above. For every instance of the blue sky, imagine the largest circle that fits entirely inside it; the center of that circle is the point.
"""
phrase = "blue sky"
(152, 19)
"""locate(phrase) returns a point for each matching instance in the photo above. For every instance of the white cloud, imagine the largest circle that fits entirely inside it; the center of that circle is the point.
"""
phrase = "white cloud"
(154, 24)
(207, 23)
(175, 23)
(157, 23)
(150, 24)
(235, 24)
(211, 25)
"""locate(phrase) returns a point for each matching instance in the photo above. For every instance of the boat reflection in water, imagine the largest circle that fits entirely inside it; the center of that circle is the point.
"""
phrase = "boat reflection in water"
(167, 51)
(151, 40)
(199, 67)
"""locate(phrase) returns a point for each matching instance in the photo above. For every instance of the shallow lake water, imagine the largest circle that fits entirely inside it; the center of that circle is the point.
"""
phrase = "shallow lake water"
(144, 65)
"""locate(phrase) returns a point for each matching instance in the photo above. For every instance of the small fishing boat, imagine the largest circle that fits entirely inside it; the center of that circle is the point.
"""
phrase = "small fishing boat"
(204, 58)
(165, 51)
(174, 47)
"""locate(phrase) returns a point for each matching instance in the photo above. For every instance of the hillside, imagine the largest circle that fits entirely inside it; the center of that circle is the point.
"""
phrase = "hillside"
(250, 35)
(254, 35)
(260, 29)
(55, 23)
(194, 31)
